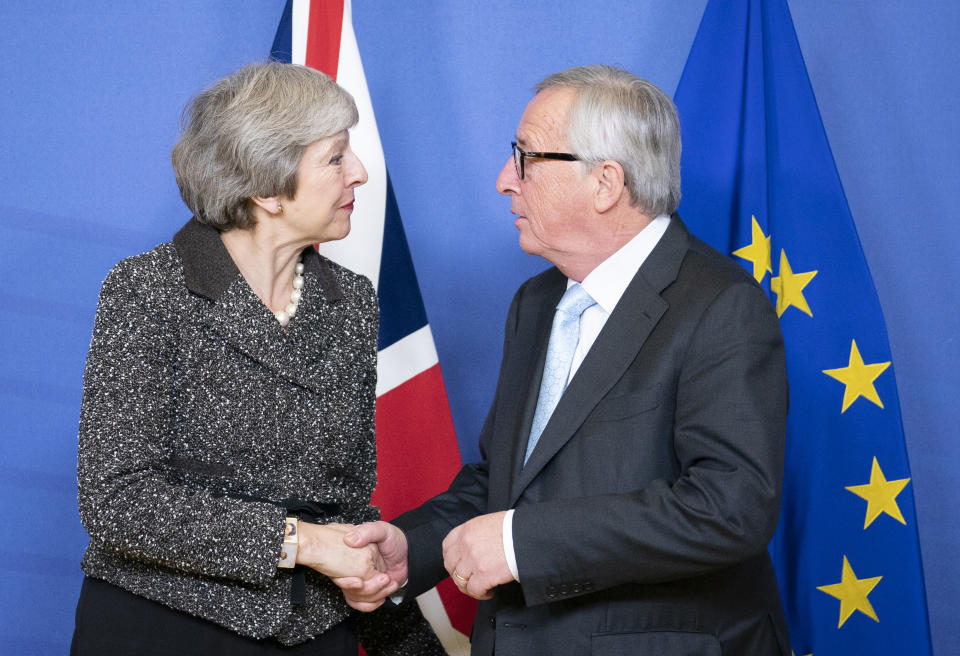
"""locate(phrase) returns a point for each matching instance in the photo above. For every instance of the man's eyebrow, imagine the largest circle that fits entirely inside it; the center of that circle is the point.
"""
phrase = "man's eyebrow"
(520, 141)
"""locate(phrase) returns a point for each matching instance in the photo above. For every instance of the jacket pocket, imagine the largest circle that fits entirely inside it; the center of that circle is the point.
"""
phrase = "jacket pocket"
(617, 407)
(655, 643)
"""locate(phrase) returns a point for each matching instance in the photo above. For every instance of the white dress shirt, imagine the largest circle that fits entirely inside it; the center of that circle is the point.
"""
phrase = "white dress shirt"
(605, 284)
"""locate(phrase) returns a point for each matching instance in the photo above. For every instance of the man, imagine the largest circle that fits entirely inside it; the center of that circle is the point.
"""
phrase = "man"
(631, 516)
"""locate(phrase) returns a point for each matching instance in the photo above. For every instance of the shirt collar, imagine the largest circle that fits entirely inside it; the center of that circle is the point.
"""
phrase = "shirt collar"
(607, 282)
(208, 268)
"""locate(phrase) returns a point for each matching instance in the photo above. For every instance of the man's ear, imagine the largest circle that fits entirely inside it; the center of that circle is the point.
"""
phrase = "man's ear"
(610, 186)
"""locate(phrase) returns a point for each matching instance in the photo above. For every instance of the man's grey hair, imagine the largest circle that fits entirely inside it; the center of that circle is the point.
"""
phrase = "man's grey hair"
(245, 135)
(621, 117)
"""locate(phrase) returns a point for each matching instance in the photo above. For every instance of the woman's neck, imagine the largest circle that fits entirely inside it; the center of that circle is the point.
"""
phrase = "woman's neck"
(266, 262)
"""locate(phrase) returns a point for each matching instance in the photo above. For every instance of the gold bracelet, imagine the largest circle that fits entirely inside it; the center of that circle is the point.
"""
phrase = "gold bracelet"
(291, 542)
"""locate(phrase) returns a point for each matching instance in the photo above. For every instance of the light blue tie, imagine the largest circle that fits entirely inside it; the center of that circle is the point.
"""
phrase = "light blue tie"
(563, 343)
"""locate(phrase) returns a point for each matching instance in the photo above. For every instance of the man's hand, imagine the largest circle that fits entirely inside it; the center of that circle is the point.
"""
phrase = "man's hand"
(473, 554)
(368, 593)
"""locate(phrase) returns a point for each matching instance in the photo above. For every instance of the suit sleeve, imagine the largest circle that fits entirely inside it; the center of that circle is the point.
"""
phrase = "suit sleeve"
(467, 497)
(728, 439)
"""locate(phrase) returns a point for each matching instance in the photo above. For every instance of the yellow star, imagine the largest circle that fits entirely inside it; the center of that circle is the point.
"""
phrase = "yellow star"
(852, 593)
(858, 378)
(788, 287)
(881, 495)
(758, 251)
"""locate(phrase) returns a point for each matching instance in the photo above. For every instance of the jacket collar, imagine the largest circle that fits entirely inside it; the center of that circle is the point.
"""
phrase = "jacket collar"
(303, 351)
(208, 268)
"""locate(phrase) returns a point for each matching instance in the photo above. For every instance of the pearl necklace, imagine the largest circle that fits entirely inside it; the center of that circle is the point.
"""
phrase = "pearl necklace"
(285, 315)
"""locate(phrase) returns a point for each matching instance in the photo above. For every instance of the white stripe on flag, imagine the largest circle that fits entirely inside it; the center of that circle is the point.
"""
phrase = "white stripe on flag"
(360, 250)
(404, 359)
(299, 15)
(454, 642)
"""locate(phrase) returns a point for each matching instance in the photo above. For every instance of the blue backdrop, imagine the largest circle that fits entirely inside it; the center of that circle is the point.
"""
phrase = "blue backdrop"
(92, 94)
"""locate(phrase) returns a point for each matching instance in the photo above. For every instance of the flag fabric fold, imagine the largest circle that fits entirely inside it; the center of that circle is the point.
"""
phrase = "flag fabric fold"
(417, 452)
(760, 184)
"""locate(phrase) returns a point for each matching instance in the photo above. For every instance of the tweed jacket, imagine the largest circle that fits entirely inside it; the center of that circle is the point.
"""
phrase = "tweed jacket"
(202, 417)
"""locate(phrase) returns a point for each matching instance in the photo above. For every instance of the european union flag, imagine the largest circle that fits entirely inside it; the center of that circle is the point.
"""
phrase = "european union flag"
(760, 183)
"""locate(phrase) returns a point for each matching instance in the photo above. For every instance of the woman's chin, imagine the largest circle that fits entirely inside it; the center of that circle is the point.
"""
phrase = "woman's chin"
(335, 233)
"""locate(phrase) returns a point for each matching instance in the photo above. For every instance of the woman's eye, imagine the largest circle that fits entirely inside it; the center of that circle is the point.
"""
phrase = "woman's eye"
(336, 159)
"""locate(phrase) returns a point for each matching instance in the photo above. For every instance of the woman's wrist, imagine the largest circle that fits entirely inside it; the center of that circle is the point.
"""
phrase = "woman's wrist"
(314, 545)
(322, 548)
(290, 549)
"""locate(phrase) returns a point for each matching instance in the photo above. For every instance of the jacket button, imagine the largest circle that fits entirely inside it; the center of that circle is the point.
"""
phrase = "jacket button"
(575, 589)
(493, 622)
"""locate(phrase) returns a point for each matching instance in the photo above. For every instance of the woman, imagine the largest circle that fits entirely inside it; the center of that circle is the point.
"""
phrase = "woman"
(226, 432)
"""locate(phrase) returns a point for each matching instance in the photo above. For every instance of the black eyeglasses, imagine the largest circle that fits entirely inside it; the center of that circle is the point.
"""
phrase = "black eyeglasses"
(519, 155)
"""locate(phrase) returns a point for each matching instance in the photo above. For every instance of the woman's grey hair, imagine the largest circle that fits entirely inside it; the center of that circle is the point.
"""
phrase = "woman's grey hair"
(245, 135)
(621, 117)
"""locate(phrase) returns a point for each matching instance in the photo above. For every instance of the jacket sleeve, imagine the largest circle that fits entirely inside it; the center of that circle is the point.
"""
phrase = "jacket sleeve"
(728, 432)
(127, 427)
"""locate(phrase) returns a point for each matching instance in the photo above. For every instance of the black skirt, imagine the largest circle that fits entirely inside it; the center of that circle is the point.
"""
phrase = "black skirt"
(114, 622)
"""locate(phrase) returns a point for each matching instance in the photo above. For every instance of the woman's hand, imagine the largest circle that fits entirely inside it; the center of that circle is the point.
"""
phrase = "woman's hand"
(322, 548)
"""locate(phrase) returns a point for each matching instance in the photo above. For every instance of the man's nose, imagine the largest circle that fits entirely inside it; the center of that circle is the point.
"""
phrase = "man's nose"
(507, 181)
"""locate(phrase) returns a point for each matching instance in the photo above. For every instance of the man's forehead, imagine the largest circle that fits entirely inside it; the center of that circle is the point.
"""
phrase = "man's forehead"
(545, 117)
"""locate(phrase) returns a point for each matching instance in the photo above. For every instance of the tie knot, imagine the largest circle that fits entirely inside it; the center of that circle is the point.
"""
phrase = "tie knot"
(575, 300)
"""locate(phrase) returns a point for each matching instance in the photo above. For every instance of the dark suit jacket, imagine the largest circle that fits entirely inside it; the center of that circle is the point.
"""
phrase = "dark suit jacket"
(643, 514)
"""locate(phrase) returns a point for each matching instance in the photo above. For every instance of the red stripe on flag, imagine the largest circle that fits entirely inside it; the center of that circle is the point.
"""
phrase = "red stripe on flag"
(417, 454)
(323, 36)
(417, 457)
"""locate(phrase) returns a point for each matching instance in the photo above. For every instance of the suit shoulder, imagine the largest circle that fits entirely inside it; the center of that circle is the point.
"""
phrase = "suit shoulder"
(706, 274)
(705, 259)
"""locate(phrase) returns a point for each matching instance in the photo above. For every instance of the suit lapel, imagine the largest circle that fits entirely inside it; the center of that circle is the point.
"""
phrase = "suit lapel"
(525, 352)
(528, 372)
(636, 315)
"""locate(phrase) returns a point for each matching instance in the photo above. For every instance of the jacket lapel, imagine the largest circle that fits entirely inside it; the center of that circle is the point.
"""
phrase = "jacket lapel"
(239, 317)
(636, 315)
(517, 401)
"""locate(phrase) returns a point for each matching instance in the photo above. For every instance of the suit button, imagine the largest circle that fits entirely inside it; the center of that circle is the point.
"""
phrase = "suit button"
(587, 586)
(575, 589)
(563, 589)
(493, 623)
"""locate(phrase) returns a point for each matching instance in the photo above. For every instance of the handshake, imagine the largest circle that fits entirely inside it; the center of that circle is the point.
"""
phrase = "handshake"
(368, 562)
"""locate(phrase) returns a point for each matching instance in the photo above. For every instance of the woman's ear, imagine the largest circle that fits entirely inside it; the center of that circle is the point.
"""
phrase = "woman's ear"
(272, 204)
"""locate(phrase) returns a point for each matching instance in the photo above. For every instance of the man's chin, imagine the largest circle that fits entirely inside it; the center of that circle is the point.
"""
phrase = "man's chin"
(530, 246)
